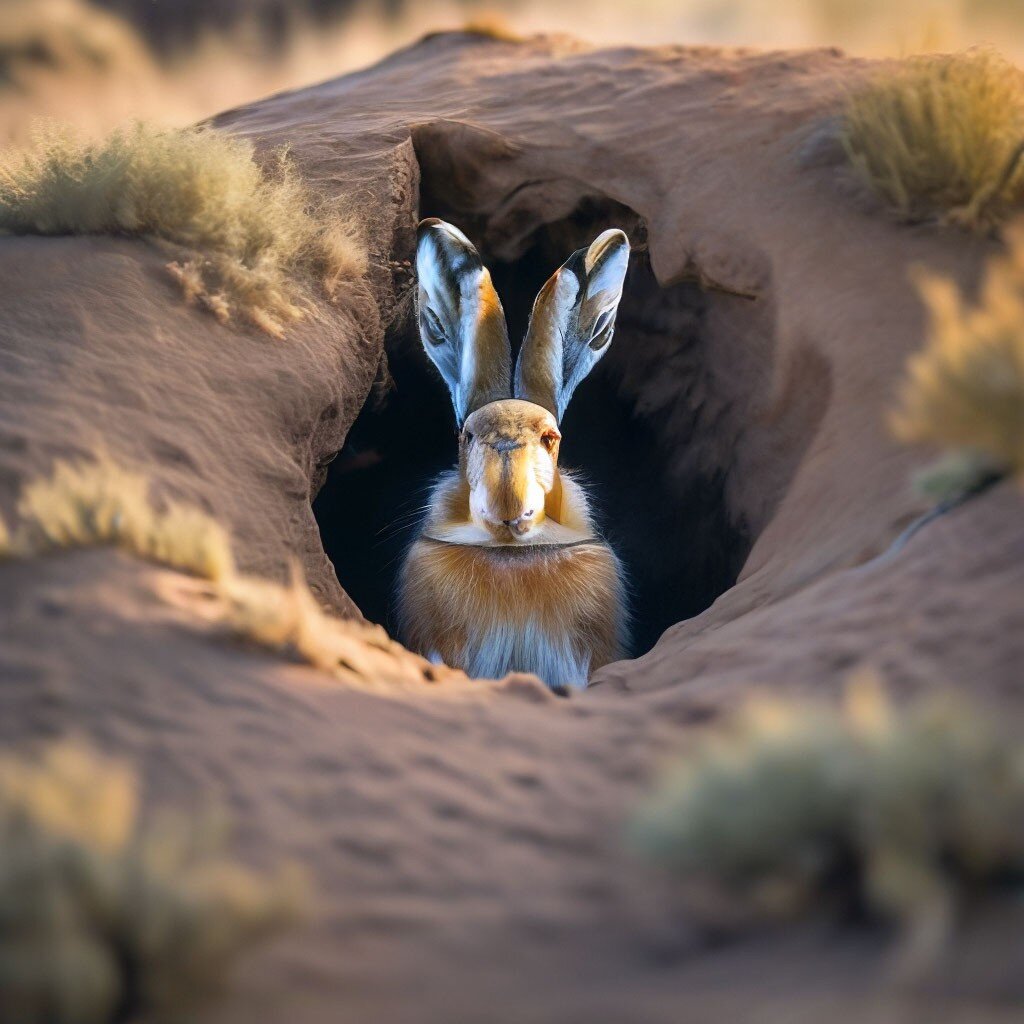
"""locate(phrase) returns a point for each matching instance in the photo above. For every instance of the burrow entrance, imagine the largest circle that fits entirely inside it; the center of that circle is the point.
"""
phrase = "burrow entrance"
(654, 429)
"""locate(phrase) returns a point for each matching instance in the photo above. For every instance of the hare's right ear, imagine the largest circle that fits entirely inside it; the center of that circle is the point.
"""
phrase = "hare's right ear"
(462, 324)
(572, 322)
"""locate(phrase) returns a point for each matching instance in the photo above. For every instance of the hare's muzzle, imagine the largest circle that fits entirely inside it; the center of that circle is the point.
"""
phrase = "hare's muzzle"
(509, 496)
(512, 492)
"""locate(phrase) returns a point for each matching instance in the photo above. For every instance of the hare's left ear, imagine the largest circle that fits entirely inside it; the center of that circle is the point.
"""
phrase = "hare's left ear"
(572, 322)
(462, 324)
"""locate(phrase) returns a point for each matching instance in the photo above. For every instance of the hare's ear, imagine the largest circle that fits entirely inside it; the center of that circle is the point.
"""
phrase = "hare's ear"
(462, 324)
(572, 322)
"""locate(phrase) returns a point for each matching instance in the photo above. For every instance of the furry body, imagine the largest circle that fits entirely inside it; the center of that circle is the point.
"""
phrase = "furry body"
(554, 609)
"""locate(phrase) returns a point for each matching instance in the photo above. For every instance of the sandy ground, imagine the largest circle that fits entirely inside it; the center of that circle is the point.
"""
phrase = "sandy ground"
(465, 841)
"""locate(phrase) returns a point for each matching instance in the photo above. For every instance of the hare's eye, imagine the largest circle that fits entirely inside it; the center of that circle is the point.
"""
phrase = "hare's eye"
(467, 436)
(548, 440)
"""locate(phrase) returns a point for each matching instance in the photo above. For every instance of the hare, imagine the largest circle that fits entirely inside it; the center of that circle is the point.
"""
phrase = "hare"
(508, 573)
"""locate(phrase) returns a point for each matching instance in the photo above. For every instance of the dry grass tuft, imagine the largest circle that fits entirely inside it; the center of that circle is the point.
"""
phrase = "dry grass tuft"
(88, 503)
(793, 803)
(941, 137)
(97, 502)
(252, 239)
(289, 620)
(965, 389)
(104, 921)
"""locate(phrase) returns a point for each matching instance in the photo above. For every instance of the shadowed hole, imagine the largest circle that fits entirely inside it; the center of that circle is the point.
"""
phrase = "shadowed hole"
(653, 430)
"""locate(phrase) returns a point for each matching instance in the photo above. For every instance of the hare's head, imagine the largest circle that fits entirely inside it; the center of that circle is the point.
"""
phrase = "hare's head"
(508, 449)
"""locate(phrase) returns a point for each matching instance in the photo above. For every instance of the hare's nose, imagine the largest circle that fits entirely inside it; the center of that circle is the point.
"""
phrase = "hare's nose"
(528, 514)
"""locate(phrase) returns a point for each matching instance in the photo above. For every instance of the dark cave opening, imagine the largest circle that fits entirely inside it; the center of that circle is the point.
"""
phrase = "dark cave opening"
(637, 431)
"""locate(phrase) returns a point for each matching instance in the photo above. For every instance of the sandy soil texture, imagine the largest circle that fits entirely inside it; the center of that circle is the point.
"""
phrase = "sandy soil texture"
(465, 838)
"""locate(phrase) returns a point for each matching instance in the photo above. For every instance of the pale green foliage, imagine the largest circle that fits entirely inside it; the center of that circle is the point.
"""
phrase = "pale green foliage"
(965, 390)
(99, 502)
(251, 238)
(941, 137)
(792, 801)
(955, 476)
(102, 921)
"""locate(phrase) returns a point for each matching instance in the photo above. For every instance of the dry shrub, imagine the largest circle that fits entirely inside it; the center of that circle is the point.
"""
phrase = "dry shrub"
(251, 239)
(64, 37)
(100, 502)
(492, 25)
(792, 803)
(965, 390)
(941, 137)
(89, 503)
(956, 476)
(104, 921)
(288, 619)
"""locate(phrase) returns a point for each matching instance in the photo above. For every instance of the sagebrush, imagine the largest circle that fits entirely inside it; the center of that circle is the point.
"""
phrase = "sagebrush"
(964, 391)
(105, 921)
(251, 239)
(942, 137)
(794, 805)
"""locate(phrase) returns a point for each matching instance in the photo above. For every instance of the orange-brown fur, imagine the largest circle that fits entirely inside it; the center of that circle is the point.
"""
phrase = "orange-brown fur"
(537, 376)
(452, 592)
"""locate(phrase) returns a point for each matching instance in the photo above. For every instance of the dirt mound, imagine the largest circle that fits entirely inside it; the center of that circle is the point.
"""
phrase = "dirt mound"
(465, 840)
